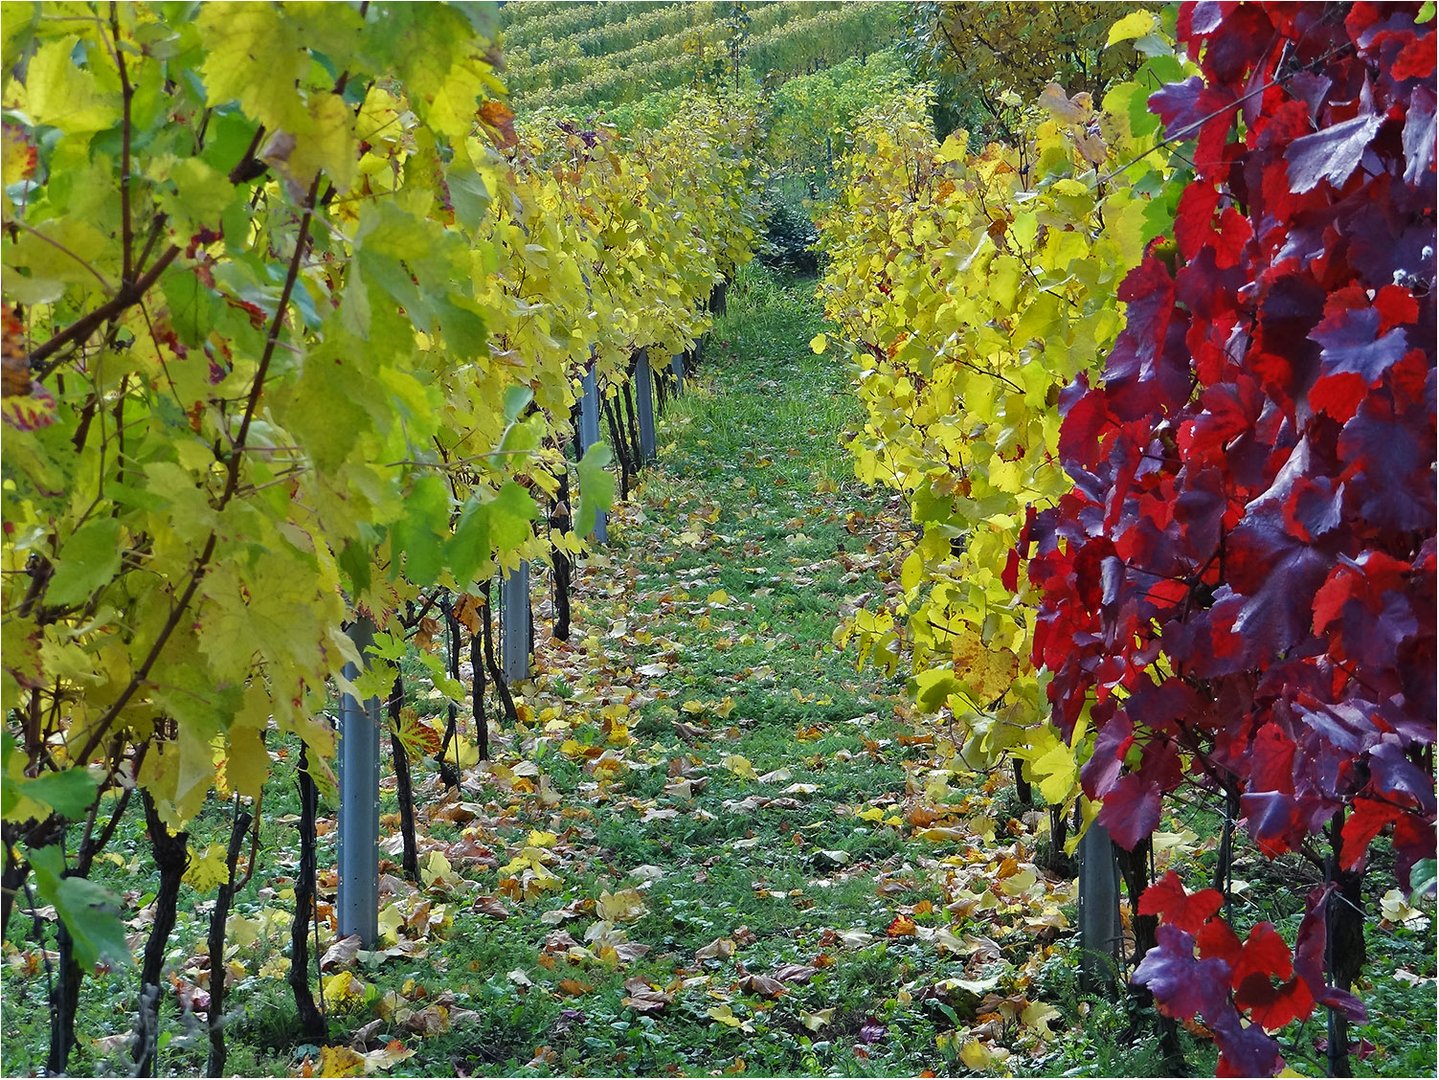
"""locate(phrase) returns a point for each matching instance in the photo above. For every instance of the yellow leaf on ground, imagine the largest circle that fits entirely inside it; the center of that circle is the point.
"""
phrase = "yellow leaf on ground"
(740, 766)
(341, 1061)
(341, 988)
(817, 1019)
(623, 906)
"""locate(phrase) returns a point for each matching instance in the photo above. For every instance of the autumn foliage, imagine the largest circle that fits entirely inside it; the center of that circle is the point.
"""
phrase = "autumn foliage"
(1240, 586)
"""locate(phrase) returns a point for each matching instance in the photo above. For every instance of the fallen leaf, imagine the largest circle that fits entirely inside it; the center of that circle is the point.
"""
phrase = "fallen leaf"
(1037, 1016)
(341, 988)
(817, 1019)
(341, 1061)
(623, 906)
(644, 998)
(431, 1020)
(718, 949)
(490, 905)
(725, 1015)
(902, 926)
(762, 985)
(740, 766)
(795, 973)
(341, 953)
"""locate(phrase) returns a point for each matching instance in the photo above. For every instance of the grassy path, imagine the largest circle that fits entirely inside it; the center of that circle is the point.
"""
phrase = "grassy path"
(707, 837)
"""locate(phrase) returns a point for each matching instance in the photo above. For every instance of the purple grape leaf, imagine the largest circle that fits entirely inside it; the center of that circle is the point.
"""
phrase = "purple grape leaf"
(1332, 154)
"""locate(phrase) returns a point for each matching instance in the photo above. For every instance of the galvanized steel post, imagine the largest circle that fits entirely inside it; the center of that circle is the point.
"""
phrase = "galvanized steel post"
(358, 903)
(515, 623)
(645, 405)
(590, 434)
(1099, 925)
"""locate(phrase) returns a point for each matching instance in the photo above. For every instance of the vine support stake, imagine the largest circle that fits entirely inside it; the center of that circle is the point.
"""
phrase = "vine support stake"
(358, 903)
(677, 365)
(645, 406)
(1099, 926)
(590, 434)
(515, 624)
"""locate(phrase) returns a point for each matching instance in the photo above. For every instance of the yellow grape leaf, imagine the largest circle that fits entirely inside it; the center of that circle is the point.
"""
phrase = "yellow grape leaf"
(1396, 909)
(419, 738)
(819, 343)
(387, 1056)
(740, 766)
(206, 869)
(247, 762)
(390, 921)
(725, 1015)
(341, 988)
(623, 906)
(233, 35)
(1136, 24)
(1051, 764)
(435, 868)
(65, 95)
(341, 1061)
(976, 1055)
(1038, 1015)
(954, 148)
(464, 753)
(817, 1019)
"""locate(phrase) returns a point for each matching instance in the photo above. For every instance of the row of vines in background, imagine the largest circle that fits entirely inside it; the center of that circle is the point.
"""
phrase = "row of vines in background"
(1160, 389)
(287, 344)
(769, 43)
(555, 64)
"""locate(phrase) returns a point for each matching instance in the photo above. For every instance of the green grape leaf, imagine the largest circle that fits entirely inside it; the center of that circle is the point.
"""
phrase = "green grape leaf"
(90, 912)
(88, 559)
(597, 487)
(417, 534)
(516, 399)
(931, 688)
(469, 548)
(68, 793)
(511, 512)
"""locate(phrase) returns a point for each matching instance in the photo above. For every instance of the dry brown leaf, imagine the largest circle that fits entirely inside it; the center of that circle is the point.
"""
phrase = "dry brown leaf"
(795, 973)
(762, 985)
(341, 953)
(718, 949)
(490, 905)
(644, 998)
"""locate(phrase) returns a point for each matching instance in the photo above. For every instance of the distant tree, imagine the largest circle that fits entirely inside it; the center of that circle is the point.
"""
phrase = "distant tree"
(988, 60)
